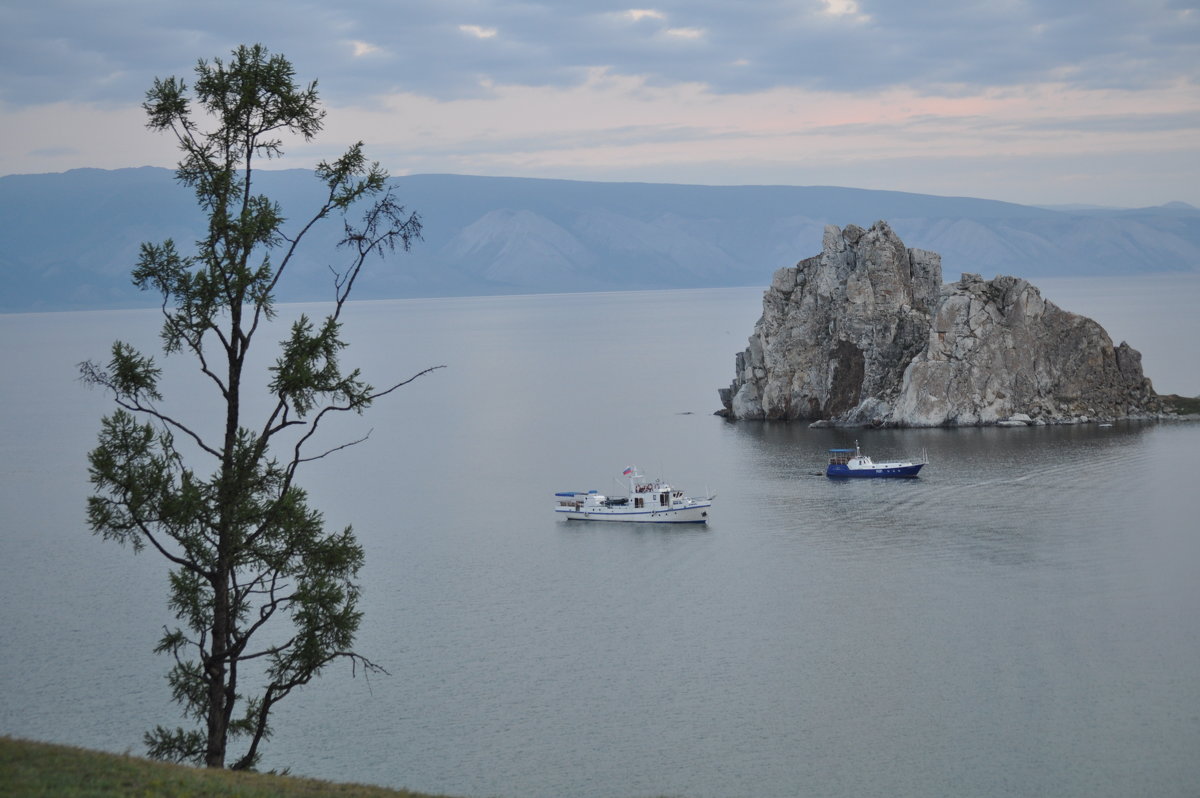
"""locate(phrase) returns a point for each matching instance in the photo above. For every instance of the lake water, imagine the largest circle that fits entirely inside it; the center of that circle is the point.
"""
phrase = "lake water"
(1024, 619)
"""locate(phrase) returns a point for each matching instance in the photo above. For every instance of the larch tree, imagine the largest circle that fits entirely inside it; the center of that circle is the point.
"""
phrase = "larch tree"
(265, 597)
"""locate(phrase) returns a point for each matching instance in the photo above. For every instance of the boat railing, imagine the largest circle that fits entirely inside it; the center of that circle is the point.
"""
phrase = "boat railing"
(841, 456)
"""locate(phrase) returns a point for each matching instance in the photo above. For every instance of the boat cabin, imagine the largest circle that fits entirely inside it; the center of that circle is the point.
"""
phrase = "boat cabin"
(842, 456)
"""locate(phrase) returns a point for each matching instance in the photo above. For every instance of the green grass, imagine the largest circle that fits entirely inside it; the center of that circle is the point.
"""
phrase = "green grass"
(29, 769)
(1183, 405)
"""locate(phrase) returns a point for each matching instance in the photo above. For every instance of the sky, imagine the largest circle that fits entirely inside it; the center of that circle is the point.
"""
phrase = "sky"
(1043, 102)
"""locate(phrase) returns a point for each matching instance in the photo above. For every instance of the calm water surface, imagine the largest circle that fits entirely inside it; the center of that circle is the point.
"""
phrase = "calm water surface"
(1022, 620)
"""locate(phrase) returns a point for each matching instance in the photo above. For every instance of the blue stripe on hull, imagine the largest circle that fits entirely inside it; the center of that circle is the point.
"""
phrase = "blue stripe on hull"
(839, 471)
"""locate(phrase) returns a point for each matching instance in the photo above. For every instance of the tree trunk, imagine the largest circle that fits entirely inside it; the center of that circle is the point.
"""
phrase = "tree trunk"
(220, 694)
(218, 724)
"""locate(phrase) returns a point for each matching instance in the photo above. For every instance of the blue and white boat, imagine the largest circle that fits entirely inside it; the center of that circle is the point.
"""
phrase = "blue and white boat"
(853, 463)
(645, 502)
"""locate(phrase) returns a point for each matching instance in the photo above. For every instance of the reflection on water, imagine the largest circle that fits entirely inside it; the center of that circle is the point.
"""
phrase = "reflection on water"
(1021, 619)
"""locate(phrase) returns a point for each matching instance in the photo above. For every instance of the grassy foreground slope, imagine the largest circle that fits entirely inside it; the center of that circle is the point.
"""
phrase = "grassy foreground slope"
(41, 769)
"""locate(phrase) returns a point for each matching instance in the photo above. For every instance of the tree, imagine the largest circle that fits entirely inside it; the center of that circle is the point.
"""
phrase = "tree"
(265, 596)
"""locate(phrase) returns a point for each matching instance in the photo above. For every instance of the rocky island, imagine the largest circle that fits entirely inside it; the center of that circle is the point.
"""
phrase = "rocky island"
(866, 334)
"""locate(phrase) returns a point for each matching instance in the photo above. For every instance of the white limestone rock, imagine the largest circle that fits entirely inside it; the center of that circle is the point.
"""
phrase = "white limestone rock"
(866, 334)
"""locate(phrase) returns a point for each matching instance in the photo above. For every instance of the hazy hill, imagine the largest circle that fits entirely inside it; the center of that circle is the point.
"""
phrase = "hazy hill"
(69, 240)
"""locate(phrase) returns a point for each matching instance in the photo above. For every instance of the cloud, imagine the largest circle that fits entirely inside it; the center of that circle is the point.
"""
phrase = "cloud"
(109, 51)
(845, 8)
(638, 14)
(477, 31)
(363, 48)
(688, 91)
(620, 128)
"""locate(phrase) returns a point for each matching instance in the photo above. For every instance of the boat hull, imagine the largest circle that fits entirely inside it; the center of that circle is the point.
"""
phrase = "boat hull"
(898, 470)
(693, 514)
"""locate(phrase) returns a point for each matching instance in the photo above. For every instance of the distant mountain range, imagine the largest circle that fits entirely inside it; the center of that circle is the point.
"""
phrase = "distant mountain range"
(69, 240)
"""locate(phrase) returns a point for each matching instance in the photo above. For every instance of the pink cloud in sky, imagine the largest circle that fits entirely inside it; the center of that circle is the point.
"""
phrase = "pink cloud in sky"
(1031, 145)
(615, 127)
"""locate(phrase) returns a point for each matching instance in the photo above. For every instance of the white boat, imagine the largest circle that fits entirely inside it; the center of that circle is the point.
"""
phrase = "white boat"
(645, 502)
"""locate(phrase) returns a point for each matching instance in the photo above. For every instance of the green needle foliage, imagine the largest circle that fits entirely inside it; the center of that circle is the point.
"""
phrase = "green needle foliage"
(264, 595)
